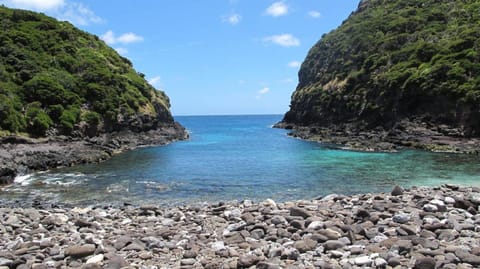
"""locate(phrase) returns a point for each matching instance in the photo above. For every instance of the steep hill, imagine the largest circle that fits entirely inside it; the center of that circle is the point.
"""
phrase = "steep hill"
(392, 65)
(67, 98)
(57, 79)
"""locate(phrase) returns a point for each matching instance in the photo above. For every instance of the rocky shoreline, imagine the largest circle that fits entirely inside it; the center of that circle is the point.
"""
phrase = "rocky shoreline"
(414, 228)
(406, 135)
(20, 155)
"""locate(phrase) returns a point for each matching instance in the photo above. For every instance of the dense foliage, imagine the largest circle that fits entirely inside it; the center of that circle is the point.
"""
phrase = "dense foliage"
(395, 59)
(54, 77)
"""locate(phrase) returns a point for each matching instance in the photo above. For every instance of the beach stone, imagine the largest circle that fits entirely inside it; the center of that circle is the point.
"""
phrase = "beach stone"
(363, 261)
(290, 253)
(305, 245)
(267, 265)
(330, 234)
(80, 251)
(401, 218)
(430, 208)
(316, 225)
(333, 244)
(397, 191)
(380, 263)
(277, 220)
(467, 257)
(188, 261)
(247, 261)
(297, 211)
(188, 254)
(96, 259)
(5, 262)
(425, 263)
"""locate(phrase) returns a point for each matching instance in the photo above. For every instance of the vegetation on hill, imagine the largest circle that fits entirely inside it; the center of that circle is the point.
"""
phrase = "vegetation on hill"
(393, 60)
(57, 79)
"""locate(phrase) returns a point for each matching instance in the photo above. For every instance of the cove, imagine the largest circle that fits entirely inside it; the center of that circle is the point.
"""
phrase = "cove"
(237, 158)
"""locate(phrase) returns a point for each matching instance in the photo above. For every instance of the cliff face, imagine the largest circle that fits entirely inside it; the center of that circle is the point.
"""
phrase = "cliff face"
(393, 61)
(56, 79)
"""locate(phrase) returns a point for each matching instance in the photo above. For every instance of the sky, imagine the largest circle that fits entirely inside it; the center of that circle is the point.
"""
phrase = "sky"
(211, 57)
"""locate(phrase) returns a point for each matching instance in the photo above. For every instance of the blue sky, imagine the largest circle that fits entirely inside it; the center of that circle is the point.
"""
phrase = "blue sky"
(210, 56)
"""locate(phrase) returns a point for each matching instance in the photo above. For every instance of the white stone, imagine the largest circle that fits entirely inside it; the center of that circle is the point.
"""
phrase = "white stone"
(96, 259)
(233, 214)
(362, 261)
(379, 238)
(430, 208)
(80, 210)
(437, 202)
(449, 200)
(234, 227)
(126, 221)
(379, 262)
(316, 225)
(218, 246)
(270, 203)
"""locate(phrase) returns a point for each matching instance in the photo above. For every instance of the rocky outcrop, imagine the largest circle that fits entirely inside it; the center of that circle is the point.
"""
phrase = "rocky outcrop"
(411, 228)
(394, 67)
(24, 155)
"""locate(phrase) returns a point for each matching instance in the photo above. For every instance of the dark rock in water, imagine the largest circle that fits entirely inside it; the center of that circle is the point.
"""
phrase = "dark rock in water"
(7, 175)
(397, 191)
(425, 263)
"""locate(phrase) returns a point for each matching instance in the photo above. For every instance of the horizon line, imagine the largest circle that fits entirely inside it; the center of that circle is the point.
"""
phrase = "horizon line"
(213, 115)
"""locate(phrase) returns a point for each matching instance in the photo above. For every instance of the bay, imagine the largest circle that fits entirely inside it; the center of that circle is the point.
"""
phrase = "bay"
(237, 158)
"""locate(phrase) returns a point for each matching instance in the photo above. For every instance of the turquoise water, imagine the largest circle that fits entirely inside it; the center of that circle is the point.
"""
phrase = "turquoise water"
(242, 157)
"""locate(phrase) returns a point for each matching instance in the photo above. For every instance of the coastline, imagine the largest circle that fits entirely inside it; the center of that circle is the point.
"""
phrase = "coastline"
(407, 135)
(413, 228)
(20, 156)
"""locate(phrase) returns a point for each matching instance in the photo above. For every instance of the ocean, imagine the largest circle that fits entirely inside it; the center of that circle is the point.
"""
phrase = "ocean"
(237, 158)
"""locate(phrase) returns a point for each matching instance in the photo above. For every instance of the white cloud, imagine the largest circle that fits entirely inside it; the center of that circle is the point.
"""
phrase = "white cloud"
(233, 19)
(277, 9)
(78, 14)
(39, 5)
(314, 14)
(285, 40)
(265, 90)
(155, 81)
(294, 64)
(127, 38)
(262, 92)
(122, 51)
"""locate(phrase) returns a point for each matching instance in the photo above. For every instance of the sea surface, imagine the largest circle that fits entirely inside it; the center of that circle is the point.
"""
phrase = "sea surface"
(236, 158)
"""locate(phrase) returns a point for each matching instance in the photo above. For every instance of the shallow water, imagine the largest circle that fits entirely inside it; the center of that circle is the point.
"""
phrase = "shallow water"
(241, 157)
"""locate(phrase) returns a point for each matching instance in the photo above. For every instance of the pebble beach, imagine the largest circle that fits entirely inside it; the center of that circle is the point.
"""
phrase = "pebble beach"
(407, 228)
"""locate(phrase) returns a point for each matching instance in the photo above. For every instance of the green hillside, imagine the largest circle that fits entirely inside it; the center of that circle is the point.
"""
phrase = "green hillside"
(57, 79)
(394, 60)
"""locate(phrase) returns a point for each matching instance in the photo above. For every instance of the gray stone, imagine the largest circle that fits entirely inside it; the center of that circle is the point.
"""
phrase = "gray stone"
(425, 263)
(333, 244)
(297, 211)
(188, 261)
(305, 245)
(397, 191)
(267, 265)
(246, 261)
(80, 251)
(401, 218)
